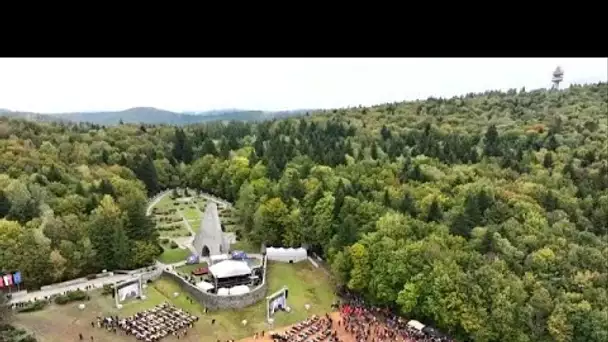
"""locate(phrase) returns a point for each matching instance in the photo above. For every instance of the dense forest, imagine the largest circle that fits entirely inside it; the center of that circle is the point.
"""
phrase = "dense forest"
(485, 214)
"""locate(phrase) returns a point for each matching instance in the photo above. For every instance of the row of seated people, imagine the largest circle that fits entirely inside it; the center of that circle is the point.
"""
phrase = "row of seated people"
(314, 329)
(154, 324)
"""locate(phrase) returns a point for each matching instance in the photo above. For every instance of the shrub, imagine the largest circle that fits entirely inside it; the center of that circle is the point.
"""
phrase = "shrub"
(6, 327)
(33, 306)
(173, 245)
(61, 300)
(164, 241)
(108, 289)
(71, 296)
(77, 295)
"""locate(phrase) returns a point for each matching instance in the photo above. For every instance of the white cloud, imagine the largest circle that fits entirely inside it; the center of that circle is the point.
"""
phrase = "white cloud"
(66, 85)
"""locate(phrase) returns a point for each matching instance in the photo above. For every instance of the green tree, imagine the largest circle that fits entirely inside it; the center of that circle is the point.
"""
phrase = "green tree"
(106, 229)
(208, 147)
(146, 172)
(435, 213)
(269, 222)
(408, 205)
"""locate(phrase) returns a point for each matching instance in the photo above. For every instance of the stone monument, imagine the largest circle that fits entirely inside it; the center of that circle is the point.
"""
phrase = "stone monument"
(210, 239)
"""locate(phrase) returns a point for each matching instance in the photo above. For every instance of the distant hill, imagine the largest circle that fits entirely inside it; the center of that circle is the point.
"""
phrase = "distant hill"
(151, 115)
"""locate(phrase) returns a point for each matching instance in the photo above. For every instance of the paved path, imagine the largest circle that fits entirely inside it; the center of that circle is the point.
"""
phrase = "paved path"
(155, 201)
(215, 199)
(95, 283)
(188, 242)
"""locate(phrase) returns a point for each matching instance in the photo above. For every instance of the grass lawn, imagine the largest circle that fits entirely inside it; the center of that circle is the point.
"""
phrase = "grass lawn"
(172, 255)
(172, 230)
(307, 285)
(165, 203)
(191, 214)
(245, 246)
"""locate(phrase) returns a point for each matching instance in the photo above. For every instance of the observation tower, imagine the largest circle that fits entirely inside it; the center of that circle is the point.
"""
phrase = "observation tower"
(558, 76)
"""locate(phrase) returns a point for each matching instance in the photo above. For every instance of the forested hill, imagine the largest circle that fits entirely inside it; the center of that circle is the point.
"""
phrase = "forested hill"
(148, 115)
(485, 215)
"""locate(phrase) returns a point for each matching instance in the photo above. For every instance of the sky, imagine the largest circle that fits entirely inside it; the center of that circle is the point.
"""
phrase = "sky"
(57, 85)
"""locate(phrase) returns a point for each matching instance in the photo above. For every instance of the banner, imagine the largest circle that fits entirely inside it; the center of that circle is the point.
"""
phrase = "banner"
(8, 280)
(278, 303)
(17, 278)
(128, 292)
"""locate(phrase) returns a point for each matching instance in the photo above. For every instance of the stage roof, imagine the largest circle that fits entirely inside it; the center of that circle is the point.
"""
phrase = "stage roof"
(229, 268)
(205, 286)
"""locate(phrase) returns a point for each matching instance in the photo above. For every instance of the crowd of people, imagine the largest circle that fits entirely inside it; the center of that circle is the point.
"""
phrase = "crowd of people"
(151, 325)
(314, 329)
(368, 323)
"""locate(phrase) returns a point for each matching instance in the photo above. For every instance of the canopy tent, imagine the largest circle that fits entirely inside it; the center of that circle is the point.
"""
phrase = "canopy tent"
(192, 259)
(238, 290)
(239, 255)
(200, 271)
(229, 268)
(286, 254)
(416, 325)
(205, 286)
(223, 292)
(218, 258)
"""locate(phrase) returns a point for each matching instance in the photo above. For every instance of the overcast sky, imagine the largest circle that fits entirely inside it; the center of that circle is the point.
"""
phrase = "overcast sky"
(69, 85)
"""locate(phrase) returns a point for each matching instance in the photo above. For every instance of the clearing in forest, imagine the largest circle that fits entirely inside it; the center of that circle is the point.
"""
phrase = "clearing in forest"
(169, 214)
(307, 285)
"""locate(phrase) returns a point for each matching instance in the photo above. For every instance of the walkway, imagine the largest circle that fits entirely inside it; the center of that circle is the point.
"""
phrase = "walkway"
(186, 242)
(155, 201)
(94, 283)
(215, 199)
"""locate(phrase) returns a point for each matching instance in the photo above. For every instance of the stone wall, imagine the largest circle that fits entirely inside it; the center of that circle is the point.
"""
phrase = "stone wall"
(213, 302)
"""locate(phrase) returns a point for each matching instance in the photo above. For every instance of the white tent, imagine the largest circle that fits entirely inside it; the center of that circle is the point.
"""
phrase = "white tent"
(217, 258)
(205, 286)
(416, 325)
(286, 254)
(238, 290)
(223, 292)
(229, 268)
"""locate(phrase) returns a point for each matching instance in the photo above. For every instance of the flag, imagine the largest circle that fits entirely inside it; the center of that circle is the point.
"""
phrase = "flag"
(8, 280)
(17, 278)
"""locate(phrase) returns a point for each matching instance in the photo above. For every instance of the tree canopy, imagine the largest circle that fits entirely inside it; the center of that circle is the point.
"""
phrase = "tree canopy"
(484, 214)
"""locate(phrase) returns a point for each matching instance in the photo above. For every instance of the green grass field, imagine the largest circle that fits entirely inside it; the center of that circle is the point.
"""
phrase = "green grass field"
(307, 285)
(245, 246)
(192, 214)
(173, 255)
